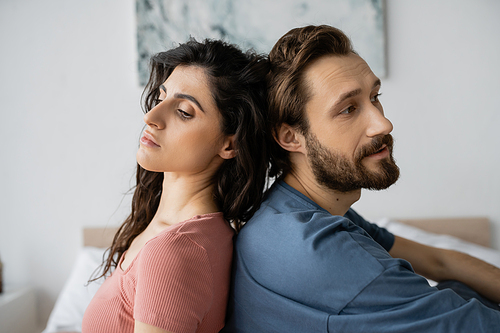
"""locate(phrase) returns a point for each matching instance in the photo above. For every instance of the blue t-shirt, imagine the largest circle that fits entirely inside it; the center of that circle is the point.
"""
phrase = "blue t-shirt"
(297, 268)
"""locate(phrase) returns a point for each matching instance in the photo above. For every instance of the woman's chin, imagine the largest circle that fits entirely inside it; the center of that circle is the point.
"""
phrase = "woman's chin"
(144, 163)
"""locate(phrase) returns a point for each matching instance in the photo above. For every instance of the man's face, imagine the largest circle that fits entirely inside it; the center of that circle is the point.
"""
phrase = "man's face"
(348, 142)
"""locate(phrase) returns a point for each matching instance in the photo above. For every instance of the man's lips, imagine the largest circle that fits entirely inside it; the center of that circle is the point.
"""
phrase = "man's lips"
(381, 153)
(148, 140)
(379, 148)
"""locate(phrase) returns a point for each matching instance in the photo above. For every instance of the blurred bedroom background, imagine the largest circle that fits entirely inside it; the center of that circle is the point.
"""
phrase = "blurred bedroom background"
(71, 120)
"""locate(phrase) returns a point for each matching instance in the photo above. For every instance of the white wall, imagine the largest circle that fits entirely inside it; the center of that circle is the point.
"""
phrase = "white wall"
(71, 118)
(70, 123)
(442, 97)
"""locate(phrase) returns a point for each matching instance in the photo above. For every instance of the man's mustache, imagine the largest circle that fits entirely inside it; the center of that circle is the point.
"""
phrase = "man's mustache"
(376, 145)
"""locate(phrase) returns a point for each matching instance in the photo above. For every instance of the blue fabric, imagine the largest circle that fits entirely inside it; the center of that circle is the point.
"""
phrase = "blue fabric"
(466, 292)
(297, 268)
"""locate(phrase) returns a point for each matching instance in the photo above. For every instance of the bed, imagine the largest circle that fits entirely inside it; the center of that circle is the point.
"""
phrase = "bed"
(460, 228)
(470, 235)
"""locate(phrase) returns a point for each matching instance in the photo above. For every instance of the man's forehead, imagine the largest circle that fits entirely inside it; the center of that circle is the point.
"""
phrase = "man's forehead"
(339, 73)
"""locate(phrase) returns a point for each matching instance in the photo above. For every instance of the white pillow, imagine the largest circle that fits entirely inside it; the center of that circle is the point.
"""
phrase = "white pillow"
(68, 311)
(441, 241)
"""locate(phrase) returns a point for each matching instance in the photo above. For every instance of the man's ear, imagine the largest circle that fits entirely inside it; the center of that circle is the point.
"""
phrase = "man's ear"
(289, 139)
(227, 151)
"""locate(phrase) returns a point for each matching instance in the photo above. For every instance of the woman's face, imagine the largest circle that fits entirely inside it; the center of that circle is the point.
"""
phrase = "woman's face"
(183, 132)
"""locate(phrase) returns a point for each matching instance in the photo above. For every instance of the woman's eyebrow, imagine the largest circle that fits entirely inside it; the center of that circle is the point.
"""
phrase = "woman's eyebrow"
(190, 98)
(184, 96)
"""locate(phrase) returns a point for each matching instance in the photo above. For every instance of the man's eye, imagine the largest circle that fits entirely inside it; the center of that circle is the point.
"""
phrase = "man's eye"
(375, 98)
(348, 110)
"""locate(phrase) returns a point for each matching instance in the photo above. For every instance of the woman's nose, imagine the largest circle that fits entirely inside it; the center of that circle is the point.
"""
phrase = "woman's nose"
(153, 117)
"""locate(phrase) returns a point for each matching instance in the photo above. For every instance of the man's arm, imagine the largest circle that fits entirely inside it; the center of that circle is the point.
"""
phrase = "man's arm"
(440, 264)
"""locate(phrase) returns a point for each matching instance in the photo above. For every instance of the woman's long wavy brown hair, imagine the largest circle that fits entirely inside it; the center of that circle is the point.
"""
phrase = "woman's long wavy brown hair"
(238, 86)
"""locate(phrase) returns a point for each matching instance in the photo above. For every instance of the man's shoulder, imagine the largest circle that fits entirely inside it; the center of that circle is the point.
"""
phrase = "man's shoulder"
(307, 234)
(282, 201)
(312, 246)
(289, 226)
(286, 208)
(274, 216)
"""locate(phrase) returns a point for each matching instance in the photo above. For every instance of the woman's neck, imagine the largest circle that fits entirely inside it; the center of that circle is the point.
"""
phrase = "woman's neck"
(184, 197)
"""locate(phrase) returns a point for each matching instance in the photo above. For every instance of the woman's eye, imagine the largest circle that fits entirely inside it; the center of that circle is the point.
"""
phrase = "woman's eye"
(348, 110)
(157, 101)
(184, 115)
(375, 98)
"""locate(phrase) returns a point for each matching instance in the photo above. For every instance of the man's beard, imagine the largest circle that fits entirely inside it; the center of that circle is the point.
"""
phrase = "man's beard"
(337, 173)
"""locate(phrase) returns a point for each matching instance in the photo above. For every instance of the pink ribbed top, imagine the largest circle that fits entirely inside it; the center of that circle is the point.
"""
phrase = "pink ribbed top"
(179, 281)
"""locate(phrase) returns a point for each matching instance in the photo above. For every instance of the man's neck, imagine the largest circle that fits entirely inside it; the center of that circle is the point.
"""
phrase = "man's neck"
(336, 203)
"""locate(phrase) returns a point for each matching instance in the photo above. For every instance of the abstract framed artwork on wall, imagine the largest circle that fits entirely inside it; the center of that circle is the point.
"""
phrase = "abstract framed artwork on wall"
(257, 24)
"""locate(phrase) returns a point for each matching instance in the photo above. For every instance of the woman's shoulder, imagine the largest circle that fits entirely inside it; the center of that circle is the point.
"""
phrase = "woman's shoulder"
(193, 237)
(170, 251)
(206, 228)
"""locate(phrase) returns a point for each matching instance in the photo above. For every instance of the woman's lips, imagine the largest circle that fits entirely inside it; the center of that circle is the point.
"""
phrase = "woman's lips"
(148, 140)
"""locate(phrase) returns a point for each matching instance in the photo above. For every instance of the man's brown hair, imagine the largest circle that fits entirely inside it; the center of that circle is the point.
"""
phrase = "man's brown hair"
(288, 93)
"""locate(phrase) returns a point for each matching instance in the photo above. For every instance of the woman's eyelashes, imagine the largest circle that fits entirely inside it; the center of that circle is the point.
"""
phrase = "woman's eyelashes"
(181, 112)
(184, 115)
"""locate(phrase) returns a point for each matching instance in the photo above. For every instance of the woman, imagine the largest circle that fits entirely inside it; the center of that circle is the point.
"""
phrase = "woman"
(201, 163)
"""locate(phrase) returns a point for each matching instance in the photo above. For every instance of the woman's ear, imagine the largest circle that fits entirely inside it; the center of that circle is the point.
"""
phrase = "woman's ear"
(227, 151)
(289, 139)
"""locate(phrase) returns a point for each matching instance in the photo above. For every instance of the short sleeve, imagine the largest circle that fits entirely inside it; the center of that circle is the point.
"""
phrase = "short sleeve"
(380, 235)
(400, 301)
(174, 284)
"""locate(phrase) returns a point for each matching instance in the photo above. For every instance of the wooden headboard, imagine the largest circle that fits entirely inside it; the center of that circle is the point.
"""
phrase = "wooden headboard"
(473, 229)
(99, 237)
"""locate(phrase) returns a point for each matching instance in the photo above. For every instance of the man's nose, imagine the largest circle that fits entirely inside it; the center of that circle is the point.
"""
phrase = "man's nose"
(378, 124)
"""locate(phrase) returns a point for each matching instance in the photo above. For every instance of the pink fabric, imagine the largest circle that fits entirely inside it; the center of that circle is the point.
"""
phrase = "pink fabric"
(179, 281)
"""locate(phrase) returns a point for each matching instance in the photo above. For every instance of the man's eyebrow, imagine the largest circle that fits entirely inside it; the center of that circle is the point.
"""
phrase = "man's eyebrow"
(345, 96)
(189, 98)
(353, 93)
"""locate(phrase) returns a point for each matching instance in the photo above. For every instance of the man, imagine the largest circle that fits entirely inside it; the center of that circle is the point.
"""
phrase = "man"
(306, 262)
